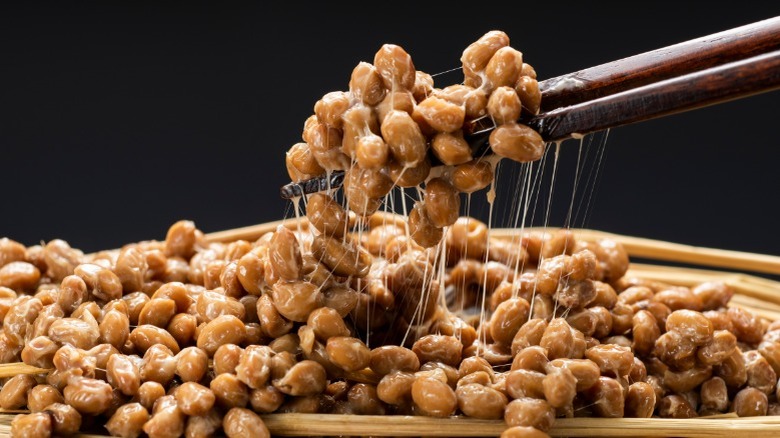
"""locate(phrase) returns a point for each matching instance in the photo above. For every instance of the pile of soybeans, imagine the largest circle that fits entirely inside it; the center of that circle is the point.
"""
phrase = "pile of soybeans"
(357, 312)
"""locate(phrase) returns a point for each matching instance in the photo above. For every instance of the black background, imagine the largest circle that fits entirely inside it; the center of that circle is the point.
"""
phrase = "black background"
(119, 118)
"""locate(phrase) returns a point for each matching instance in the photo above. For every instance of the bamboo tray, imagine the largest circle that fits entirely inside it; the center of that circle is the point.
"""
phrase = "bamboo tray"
(758, 294)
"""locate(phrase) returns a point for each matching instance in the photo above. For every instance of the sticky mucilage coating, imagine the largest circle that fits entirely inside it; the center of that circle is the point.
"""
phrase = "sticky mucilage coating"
(392, 122)
(363, 313)
(304, 321)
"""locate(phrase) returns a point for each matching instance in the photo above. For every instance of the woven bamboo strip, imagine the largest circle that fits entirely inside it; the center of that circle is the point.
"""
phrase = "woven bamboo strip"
(12, 369)
(763, 289)
(678, 253)
(308, 424)
(388, 425)
(253, 232)
(737, 301)
(5, 432)
(674, 252)
(746, 301)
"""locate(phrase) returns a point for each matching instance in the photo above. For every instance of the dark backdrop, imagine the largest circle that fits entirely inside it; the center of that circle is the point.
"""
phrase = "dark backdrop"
(119, 118)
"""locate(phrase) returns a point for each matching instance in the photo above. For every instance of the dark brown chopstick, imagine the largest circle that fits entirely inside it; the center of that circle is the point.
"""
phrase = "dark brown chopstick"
(715, 85)
(626, 105)
(687, 57)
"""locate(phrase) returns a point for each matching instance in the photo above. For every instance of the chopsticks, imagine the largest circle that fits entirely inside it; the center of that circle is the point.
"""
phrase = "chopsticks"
(657, 65)
(725, 66)
(714, 85)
